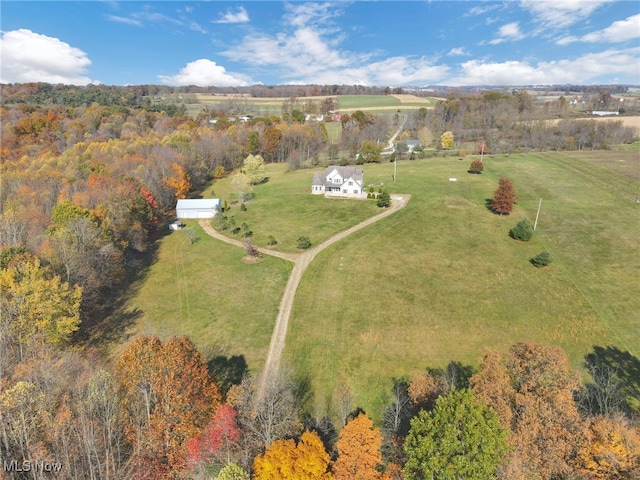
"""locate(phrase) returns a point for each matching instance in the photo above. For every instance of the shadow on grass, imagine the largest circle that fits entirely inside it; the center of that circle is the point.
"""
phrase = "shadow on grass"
(106, 324)
(227, 371)
(624, 368)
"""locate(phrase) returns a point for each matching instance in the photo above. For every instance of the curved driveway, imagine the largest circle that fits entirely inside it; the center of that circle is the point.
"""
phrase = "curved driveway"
(300, 263)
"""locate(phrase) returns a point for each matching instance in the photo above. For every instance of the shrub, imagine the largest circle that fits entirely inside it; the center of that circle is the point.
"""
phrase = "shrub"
(476, 167)
(542, 259)
(251, 249)
(243, 207)
(522, 231)
(271, 241)
(304, 242)
(385, 200)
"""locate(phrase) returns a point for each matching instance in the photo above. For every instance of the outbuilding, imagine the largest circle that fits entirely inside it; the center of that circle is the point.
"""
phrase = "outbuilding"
(198, 207)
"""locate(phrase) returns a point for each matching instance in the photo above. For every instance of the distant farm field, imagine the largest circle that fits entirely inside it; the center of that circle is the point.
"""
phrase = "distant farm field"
(439, 280)
(346, 103)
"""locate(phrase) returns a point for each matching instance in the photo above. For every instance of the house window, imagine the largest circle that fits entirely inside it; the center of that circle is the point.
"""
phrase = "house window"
(356, 191)
(350, 184)
(344, 191)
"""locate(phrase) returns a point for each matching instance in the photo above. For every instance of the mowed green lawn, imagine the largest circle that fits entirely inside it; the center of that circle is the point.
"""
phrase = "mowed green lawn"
(206, 291)
(441, 280)
(284, 208)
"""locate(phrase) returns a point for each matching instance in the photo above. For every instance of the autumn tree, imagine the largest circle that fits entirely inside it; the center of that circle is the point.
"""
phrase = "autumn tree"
(359, 455)
(504, 197)
(370, 152)
(532, 391)
(219, 441)
(459, 438)
(253, 168)
(168, 397)
(233, 471)
(424, 388)
(286, 460)
(36, 306)
(611, 449)
(477, 166)
(446, 140)
(265, 415)
(241, 186)
(179, 181)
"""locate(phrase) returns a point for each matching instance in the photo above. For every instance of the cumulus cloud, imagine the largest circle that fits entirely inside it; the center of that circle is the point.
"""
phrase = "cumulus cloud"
(32, 57)
(238, 16)
(619, 31)
(587, 69)
(204, 73)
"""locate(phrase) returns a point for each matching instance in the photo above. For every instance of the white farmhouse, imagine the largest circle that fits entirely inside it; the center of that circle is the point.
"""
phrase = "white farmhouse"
(198, 207)
(339, 182)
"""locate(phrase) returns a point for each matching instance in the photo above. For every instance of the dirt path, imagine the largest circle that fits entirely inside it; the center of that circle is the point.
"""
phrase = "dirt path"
(300, 263)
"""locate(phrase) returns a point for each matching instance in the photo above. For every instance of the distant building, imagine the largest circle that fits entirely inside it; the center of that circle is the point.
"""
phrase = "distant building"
(198, 207)
(339, 182)
(604, 113)
(413, 145)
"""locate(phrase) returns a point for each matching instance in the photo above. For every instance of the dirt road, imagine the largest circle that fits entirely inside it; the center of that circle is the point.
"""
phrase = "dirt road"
(300, 263)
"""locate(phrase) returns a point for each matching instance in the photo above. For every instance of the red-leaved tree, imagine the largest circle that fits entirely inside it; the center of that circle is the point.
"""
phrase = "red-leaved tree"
(218, 441)
(504, 197)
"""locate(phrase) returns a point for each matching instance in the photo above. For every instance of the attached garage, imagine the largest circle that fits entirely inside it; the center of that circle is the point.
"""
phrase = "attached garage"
(198, 208)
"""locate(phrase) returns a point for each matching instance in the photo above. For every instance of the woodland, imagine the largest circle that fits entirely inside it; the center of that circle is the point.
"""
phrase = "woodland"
(89, 176)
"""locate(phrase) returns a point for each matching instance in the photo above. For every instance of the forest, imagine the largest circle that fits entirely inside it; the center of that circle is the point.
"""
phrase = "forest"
(89, 176)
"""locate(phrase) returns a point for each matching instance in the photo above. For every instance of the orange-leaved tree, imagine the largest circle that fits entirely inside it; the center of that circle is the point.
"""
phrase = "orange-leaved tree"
(180, 181)
(359, 455)
(532, 392)
(286, 460)
(169, 398)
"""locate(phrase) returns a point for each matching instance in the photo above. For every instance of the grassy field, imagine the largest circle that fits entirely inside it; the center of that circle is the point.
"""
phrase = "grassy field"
(441, 280)
(206, 291)
(438, 281)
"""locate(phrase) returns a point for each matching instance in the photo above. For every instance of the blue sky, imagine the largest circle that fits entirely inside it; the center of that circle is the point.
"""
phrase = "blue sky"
(384, 43)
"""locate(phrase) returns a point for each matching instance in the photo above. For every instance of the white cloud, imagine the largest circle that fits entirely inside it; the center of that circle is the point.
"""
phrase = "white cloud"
(509, 32)
(561, 13)
(196, 27)
(125, 20)
(457, 52)
(238, 16)
(33, 57)
(305, 14)
(204, 73)
(619, 31)
(587, 69)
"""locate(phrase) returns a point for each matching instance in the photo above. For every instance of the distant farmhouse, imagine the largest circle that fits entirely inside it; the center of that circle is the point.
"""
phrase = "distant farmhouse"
(339, 182)
(198, 208)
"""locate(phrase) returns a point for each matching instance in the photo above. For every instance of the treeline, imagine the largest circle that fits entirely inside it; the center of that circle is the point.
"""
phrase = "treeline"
(514, 123)
(159, 410)
(148, 95)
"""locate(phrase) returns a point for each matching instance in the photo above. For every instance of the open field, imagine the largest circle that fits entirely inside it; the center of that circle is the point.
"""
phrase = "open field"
(205, 290)
(442, 280)
(438, 281)
(347, 103)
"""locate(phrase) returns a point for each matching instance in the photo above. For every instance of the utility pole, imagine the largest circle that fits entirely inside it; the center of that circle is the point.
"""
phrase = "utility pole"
(537, 214)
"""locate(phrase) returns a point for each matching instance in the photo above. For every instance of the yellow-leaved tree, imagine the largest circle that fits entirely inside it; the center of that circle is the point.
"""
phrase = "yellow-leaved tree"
(36, 306)
(446, 140)
(612, 449)
(284, 460)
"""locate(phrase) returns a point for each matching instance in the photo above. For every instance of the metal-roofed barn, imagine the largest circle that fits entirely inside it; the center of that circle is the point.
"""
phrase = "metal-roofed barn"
(198, 207)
